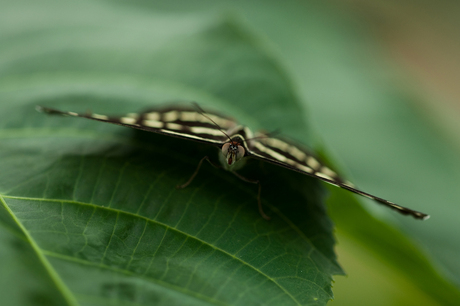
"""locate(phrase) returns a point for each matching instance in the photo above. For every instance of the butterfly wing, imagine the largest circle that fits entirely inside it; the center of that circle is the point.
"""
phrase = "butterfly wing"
(180, 122)
(287, 155)
(188, 123)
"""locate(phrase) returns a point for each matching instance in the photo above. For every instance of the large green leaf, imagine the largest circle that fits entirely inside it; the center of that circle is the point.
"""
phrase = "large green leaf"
(89, 212)
(363, 114)
(115, 57)
(372, 123)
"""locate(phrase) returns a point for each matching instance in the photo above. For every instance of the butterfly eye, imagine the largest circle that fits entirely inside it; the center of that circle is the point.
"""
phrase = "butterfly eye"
(225, 148)
(241, 152)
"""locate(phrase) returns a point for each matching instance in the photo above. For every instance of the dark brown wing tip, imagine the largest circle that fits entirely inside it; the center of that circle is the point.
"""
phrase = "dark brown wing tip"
(418, 215)
(48, 110)
(425, 217)
(403, 210)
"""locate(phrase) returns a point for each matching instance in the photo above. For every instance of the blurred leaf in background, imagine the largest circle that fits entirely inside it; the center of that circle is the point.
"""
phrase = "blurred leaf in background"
(90, 215)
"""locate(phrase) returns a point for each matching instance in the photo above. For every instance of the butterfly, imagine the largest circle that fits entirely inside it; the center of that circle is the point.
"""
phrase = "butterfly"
(237, 143)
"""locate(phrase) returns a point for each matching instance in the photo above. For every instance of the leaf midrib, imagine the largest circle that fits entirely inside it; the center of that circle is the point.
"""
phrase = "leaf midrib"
(65, 291)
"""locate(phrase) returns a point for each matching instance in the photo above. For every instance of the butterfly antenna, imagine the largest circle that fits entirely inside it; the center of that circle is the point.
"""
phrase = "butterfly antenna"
(202, 112)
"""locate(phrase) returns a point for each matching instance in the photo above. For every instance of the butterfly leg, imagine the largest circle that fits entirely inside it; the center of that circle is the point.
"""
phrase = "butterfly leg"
(196, 172)
(259, 200)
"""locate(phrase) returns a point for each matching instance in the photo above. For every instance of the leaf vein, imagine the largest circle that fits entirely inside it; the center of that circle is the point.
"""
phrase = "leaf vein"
(130, 273)
(66, 293)
(257, 270)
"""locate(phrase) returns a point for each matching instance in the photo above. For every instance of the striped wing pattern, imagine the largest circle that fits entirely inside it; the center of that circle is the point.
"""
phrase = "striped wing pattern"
(188, 123)
(184, 123)
(287, 155)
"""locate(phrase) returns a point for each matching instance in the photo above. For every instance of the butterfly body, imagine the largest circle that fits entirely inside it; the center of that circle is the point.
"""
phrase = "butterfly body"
(236, 143)
(230, 156)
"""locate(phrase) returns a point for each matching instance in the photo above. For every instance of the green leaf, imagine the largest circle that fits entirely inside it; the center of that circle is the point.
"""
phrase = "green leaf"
(371, 120)
(373, 125)
(89, 211)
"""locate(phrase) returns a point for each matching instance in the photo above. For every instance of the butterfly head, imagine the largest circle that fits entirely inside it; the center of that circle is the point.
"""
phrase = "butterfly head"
(233, 151)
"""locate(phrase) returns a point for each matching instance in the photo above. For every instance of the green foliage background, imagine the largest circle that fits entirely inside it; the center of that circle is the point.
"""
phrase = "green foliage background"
(90, 214)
